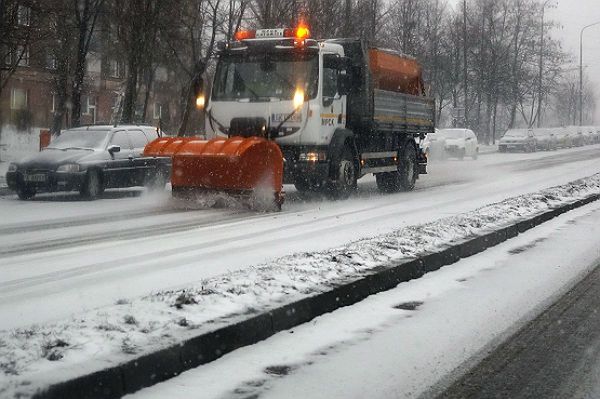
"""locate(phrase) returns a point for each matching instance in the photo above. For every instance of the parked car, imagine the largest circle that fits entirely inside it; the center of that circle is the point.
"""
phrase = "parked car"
(589, 134)
(90, 159)
(545, 139)
(433, 145)
(460, 143)
(564, 137)
(518, 139)
(576, 135)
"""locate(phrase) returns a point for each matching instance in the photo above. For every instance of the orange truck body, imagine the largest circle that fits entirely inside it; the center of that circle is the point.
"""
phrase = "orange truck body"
(396, 72)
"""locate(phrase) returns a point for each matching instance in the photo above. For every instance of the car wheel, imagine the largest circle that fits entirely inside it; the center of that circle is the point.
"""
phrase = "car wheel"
(92, 187)
(25, 193)
(158, 181)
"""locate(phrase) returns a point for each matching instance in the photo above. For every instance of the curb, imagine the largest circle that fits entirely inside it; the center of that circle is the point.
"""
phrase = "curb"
(152, 368)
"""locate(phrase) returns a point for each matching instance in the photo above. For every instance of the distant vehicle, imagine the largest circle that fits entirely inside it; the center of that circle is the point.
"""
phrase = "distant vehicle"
(433, 145)
(90, 159)
(546, 139)
(518, 139)
(576, 136)
(590, 135)
(460, 143)
(564, 137)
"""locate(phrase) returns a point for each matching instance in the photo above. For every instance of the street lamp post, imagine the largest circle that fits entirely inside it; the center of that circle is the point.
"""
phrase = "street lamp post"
(540, 93)
(581, 70)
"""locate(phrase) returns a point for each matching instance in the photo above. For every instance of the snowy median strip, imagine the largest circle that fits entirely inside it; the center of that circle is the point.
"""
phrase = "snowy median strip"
(124, 347)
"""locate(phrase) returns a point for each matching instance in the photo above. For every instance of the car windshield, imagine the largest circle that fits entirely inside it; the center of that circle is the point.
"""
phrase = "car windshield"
(516, 133)
(79, 139)
(265, 77)
(453, 133)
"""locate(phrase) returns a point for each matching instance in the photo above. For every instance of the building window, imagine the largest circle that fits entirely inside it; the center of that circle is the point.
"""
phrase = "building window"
(88, 105)
(24, 16)
(51, 62)
(157, 111)
(115, 69)
(23, 52)
(18, 99)
(54, 103)
(7, 56)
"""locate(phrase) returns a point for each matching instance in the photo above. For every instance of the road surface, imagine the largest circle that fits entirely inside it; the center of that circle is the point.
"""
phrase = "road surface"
(557, 355)
(62, 256)
(416, 339)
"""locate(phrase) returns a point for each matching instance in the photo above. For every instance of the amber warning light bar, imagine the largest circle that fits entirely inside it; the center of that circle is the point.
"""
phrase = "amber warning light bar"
(301, 32)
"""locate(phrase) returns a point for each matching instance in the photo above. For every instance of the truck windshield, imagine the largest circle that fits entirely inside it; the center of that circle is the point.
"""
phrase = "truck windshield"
(265, 77)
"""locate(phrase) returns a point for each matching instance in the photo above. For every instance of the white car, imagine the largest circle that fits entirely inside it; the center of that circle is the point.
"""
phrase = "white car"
(460, 143)
(433, 145)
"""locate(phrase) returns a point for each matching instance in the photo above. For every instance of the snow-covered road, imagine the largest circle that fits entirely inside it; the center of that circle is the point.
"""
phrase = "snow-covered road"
(62, 256)
(414, 340)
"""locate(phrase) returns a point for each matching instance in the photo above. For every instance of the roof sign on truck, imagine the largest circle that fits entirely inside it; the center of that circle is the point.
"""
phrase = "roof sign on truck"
(300, 32)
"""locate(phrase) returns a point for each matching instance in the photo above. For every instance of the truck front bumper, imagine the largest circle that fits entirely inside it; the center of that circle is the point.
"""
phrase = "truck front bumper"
(296, 167)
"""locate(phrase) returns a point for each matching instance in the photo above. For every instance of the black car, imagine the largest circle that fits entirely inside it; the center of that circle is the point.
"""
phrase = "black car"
(90, 159)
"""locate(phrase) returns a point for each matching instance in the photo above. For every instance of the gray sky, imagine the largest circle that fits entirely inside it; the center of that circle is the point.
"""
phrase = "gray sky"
(574, 15)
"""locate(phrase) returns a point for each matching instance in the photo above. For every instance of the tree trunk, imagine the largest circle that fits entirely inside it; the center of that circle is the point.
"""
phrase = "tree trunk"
(130, 91)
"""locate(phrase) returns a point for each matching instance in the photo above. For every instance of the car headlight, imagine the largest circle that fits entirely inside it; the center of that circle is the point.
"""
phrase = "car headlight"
(68, 168)
(12, 167)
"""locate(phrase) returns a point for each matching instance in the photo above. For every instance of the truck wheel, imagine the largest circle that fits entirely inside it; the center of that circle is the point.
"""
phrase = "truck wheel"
(406, 176)
(345, 178)
(25, 192)
(408, 168)
(92, 187)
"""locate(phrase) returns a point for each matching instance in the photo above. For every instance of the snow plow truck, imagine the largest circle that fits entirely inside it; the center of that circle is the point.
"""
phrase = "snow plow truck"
(285, 108)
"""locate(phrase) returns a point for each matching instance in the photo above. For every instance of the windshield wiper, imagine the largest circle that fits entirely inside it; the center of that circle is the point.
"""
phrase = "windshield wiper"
(77, 148)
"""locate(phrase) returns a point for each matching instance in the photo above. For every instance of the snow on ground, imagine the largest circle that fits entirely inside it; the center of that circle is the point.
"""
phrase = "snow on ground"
(15, 145)
(62, 256)
(50, 352)
(424, 333)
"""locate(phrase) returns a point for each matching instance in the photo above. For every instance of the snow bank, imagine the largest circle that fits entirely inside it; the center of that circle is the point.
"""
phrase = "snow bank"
(44, 354)
(18, 144)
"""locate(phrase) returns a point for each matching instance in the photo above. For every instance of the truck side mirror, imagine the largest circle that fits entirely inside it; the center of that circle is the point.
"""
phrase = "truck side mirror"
(344, 84)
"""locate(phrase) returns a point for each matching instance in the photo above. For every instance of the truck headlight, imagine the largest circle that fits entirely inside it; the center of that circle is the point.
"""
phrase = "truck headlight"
(313, 156)
(68, 168)
(12, 167)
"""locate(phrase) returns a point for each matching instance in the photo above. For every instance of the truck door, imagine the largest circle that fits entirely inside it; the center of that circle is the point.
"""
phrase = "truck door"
(333, 106)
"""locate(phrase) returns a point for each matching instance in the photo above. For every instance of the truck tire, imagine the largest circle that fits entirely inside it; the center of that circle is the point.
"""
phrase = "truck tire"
(345, 176)
(406, 176)
(25, 193)
(92, 186)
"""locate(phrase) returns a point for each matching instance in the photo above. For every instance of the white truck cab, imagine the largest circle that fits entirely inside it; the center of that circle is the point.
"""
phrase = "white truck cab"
(317, 100)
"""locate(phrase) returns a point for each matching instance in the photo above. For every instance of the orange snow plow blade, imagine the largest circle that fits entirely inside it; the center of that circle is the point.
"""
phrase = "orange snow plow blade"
(248, 168)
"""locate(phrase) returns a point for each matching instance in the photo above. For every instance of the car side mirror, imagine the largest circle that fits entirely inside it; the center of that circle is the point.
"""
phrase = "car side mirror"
(113, 149)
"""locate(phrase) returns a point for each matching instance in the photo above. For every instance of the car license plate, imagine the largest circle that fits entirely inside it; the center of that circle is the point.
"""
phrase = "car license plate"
(35, 178)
